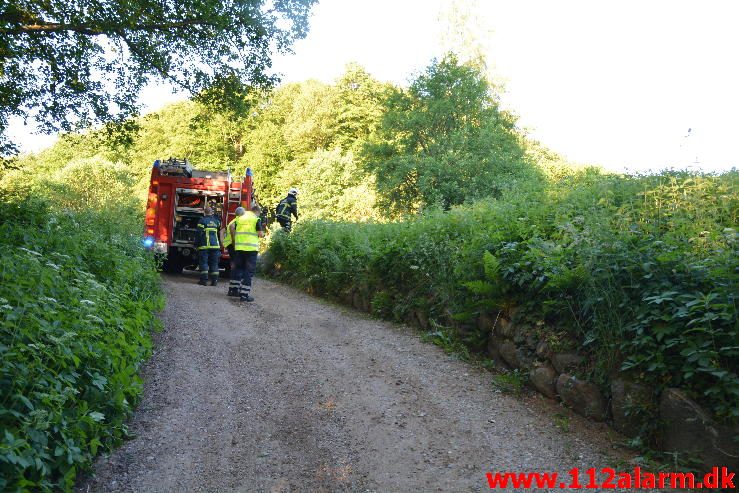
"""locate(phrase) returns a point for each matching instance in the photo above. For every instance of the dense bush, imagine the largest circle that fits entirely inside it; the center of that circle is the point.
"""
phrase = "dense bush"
(77, 303)
(639, 271)
(444, 140)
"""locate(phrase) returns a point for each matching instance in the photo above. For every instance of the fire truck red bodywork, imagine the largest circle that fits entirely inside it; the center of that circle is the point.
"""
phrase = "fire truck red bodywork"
(177, 199)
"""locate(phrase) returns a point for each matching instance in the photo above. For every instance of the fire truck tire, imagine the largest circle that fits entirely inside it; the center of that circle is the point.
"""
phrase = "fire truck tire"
(173, 264)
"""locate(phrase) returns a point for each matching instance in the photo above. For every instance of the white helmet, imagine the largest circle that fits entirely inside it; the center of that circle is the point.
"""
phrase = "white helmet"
(292, 191)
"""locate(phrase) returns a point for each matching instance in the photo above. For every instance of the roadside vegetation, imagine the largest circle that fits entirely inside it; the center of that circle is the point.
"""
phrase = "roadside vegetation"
(78, 293)
(639, 272)
(424, 204)
(78, 298)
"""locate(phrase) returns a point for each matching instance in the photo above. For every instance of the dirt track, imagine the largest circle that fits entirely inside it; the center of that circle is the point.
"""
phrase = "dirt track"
(291, 393)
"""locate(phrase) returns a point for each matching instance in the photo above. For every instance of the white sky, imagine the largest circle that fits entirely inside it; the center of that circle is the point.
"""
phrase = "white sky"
(615, 83)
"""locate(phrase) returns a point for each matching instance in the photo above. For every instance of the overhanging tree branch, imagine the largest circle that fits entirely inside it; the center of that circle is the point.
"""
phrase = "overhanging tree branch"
(57, 64)
(91, 30)
(144, 59)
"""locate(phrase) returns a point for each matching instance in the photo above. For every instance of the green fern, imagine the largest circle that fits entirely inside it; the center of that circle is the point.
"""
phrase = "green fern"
(482, 288)
(491, 264)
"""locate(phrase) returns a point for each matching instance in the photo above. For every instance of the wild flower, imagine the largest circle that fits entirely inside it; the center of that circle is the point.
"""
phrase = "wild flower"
(96, 319)
(30, 251)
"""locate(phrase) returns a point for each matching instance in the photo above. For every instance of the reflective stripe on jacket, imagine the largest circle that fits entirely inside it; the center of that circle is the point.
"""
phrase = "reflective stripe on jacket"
(208, 228)
(246, 237)
(287, 206)
(283, 210)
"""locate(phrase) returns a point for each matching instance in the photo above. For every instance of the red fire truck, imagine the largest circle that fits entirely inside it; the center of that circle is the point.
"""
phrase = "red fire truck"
(178, 195)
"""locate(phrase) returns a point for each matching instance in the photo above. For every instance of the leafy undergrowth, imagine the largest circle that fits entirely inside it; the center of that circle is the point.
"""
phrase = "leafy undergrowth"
(77, 302)
(640, 273)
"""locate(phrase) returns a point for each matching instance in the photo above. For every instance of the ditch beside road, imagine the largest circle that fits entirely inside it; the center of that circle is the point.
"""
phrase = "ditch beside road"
(294, 393)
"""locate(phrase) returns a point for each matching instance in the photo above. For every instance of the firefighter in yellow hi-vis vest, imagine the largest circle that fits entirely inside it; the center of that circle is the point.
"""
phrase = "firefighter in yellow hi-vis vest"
(245, 232)
(228, 246)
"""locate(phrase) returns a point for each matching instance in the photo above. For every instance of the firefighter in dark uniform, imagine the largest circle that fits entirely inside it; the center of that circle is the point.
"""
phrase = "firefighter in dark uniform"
(209, 247)
(287, 207)
(245, 232)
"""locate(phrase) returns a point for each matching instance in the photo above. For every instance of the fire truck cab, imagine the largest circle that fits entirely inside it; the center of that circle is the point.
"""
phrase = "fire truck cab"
(178, 195)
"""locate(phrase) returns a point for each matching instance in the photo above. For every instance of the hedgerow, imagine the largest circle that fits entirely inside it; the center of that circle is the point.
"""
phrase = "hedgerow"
(639, 272)
(77, 301)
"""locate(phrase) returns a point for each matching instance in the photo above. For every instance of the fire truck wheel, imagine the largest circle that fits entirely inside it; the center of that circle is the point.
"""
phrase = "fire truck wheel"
(173, 264)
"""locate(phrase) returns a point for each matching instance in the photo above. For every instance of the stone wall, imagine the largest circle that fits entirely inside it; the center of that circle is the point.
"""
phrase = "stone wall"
(627, 405)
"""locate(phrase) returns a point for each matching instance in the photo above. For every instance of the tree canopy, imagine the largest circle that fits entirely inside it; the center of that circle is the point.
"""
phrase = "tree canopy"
(308, 135)
(444, 140)
(357, 149)
(69, 64)
(305, 134)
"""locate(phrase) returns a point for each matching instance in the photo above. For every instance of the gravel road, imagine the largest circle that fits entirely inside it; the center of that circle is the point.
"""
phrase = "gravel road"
(293, 393)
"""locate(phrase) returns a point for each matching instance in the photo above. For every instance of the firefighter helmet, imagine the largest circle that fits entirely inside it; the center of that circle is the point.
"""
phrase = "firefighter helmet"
(292, 191)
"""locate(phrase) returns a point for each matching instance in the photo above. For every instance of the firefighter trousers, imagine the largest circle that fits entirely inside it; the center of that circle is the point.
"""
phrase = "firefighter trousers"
(285, 223)
(208, 263)
(245, 264)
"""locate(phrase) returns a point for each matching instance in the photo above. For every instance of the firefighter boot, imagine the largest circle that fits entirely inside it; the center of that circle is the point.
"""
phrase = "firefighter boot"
(203, 282)
(244, 293)
(214, 281)
(233, 287)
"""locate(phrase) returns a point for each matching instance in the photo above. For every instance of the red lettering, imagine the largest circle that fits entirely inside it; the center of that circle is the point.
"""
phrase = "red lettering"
(575, 474)
(648, 481)
(497, 481)
(710, 480)
(521, 480)
(727, 479)
(716, 478)
(663, 476)
(548, 480)
(591, 474)
(610, 474)
(625, 480)
(687, 480)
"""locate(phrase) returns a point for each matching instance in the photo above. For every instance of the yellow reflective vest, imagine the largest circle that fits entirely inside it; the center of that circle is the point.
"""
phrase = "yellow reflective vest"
(227, 235)
(246, 237)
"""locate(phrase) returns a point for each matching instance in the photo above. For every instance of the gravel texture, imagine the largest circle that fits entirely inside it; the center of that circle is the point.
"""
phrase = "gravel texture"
(294, 393)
